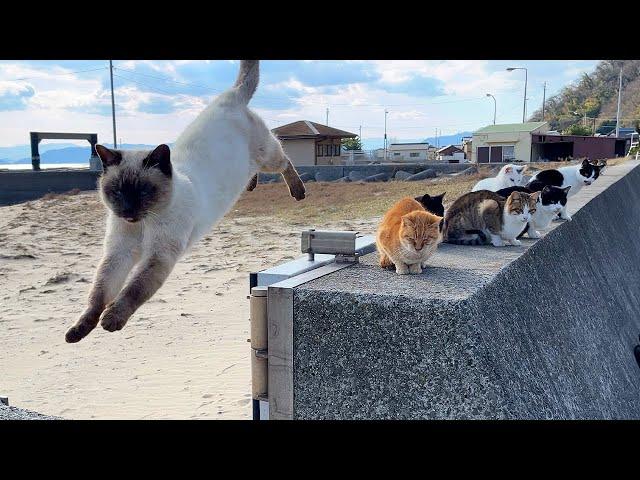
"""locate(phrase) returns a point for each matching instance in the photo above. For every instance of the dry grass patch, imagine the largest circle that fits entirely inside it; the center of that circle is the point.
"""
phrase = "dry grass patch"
(327, 201)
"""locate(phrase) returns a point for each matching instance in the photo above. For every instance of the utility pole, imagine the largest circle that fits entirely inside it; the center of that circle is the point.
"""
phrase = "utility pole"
(113, 105)
(526, 73)
(544, 98)
(619, 97)
(327, 123)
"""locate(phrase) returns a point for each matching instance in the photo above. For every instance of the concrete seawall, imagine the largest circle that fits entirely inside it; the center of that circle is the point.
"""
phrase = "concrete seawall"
(23, 185)
(542, 331)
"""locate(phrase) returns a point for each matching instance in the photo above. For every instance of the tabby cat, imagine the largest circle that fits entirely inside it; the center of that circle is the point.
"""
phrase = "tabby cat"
(478, 218)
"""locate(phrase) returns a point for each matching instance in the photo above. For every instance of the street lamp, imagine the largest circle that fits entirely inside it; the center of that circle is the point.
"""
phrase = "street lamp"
(524, 110)
(385, 134)
(494, 107)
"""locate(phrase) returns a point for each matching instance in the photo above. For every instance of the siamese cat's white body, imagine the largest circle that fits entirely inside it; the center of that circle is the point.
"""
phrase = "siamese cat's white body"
(160, 203)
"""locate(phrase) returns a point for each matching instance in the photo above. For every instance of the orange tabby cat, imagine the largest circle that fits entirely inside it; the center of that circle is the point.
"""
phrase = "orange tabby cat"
(408, 235)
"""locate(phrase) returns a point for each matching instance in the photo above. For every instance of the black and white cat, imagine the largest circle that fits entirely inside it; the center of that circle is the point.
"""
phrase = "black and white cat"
(575, 176)
(552, 200)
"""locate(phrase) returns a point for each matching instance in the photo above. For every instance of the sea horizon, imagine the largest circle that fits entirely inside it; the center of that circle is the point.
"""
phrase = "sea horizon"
(43, 166)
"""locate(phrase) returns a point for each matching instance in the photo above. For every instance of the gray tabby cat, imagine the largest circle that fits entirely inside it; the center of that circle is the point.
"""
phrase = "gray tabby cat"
(478, 218)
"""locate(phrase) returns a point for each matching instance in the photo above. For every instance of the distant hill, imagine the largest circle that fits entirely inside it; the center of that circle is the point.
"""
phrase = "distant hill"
(596, 95)
(58, 153)
(444, 140)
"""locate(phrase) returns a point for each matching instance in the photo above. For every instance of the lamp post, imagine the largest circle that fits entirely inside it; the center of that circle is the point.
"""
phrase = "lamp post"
(494, 107)
(385, 134)
(526, 72)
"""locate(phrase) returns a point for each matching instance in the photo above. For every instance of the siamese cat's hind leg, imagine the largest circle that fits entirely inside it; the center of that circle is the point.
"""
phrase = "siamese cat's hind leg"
(253, 183)
(295, 184)
(117, 262)
(271, 158)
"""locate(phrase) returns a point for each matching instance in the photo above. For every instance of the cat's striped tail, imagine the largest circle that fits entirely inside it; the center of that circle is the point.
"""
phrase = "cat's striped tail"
(479, 239)
(247, 81)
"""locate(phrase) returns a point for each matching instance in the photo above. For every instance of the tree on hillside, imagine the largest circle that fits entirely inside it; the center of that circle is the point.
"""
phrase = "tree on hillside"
(577, 129)
(352, 143)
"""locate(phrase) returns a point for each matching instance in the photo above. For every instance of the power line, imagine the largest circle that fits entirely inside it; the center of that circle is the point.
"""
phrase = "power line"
(57, 74)
(164, 92)
(166, 79)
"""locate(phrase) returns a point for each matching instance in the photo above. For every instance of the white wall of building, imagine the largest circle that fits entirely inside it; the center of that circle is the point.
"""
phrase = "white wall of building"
(301, 152)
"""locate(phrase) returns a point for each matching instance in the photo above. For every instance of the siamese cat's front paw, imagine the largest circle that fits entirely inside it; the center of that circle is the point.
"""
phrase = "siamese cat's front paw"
(82, 327)
(515, 242)
(533, 234)
(113, 318)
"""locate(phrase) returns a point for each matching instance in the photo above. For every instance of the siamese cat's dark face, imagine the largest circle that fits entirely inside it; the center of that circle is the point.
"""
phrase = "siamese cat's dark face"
(135, 184)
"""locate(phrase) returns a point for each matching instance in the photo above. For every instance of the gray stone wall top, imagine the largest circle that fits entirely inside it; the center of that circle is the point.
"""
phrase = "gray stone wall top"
(542, 331)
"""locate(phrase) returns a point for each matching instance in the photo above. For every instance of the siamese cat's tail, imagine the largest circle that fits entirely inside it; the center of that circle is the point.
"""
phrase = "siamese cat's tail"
(247, 80)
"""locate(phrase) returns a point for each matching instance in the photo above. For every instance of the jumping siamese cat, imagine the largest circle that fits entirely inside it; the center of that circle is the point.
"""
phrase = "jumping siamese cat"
(161, 202)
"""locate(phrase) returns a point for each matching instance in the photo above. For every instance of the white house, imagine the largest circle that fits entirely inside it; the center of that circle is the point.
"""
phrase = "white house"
(408, 152)
(506, 142)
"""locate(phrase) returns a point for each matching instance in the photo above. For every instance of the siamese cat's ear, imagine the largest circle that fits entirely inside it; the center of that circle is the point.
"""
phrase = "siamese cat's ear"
(440, 197)
(508, 169)
(160, 158)
(109, 158)
(566, 190)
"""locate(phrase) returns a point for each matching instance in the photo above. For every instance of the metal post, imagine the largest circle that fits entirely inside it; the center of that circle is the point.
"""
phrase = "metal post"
(544, 97)
(494, 107)
(526, 72)
(524, 112)
(327, 122)
(618, 113)
(35, 153)
(385, 134)
(113, 106)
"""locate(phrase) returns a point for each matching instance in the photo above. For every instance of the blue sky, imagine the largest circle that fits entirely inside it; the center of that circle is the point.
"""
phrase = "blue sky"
(155, 100)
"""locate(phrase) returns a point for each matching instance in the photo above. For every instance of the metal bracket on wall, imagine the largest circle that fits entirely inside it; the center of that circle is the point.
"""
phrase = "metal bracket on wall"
(327, 251)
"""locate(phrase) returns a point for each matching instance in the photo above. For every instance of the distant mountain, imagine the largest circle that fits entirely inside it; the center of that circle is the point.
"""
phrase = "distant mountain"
(444, 140)
(59, 153)
(8, 154)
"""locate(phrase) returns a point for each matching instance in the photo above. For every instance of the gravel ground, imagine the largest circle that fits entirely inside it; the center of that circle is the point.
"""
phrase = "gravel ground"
(13, 413)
